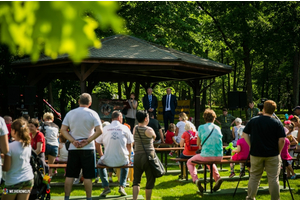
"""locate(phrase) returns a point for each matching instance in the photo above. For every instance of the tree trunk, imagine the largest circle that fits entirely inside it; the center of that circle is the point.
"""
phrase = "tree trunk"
(234, 76)
(120, 90)
(137, 91)
(248, 73)
(223, 92)
(203, 100)
(264, 79)
(50, 94)
(296, 79)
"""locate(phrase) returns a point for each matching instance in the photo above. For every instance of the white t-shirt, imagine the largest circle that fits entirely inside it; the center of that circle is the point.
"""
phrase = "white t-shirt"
(20, 169)
(115, 137)
(63, 153)
(51, 134)
(82, 122)
(3, 131)
(180, 125)
(294, 133)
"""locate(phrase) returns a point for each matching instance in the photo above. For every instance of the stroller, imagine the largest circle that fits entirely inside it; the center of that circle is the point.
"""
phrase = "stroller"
(41, 187)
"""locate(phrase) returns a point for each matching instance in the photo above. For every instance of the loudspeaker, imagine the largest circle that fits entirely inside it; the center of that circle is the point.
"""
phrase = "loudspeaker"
(13, 95)
(243, 100)
(237, 100)
(233, 100)
(29, 95)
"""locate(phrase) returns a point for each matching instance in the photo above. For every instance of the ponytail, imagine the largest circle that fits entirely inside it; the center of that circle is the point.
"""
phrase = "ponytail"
(21, 129)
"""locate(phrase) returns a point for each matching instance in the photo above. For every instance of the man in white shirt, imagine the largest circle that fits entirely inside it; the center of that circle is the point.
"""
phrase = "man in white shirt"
(82, 121)
(117, 140)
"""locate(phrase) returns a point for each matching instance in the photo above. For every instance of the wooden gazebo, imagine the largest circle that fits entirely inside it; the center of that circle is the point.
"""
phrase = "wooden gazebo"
(125, 58)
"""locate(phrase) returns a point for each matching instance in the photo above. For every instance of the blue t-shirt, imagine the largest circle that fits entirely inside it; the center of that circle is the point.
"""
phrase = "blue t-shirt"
(213, 146)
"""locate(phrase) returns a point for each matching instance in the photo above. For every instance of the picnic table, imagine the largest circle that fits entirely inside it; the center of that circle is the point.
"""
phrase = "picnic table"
(166, 151)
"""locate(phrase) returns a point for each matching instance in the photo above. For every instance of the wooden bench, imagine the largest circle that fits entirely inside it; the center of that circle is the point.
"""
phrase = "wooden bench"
(166, 151)
(228, 162)
(183, 162)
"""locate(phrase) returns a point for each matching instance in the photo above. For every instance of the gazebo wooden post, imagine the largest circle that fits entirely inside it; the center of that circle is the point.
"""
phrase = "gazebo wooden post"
(83, 74)
(197, 102)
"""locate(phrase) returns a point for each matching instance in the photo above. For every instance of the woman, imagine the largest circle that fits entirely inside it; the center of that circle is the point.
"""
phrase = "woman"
(50, 131)
(180, 126)
(38, 142)
(235, 135)
(19, 174)
(131, 113)
(143, 135)
(212, 149)
(3, 141)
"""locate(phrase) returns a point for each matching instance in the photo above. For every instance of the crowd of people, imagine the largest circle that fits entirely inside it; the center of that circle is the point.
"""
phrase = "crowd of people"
(87, 135)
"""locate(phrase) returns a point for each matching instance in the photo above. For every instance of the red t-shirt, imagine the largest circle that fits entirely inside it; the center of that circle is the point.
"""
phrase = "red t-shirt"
(169, 136)
(39, 137)
(186, 137)
(9, 130)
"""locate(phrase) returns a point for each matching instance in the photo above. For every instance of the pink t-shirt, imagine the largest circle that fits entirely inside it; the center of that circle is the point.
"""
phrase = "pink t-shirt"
(243, 154)
(285, 150)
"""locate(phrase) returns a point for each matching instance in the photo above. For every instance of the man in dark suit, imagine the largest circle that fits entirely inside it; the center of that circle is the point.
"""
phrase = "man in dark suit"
(150, 102)
(169, 103)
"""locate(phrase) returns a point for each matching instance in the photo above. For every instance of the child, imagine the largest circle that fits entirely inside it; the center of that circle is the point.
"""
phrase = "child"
(19, 174)
(235, 135)
(62, 151)
(286, 158)
(242, 153)
(170, 137)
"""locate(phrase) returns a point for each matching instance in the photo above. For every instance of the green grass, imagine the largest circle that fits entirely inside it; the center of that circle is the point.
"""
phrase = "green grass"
(168, 187)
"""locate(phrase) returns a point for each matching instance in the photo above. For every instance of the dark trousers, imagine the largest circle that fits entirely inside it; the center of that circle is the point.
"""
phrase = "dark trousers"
(131, 122)
(168, 116)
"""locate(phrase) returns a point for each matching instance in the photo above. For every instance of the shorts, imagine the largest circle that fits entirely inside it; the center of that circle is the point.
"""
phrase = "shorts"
(81, 159)
(140, 166)
(287, 162)
(19, 186)
(51, 150)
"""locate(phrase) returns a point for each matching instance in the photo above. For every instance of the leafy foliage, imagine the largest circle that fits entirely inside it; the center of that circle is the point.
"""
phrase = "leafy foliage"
(56, 27)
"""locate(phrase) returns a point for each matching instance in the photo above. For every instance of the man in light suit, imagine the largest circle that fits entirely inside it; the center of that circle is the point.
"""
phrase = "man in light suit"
(150, 102)
(169, 103)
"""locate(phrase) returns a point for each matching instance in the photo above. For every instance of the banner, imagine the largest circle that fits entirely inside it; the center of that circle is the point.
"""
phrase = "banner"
(182, 106)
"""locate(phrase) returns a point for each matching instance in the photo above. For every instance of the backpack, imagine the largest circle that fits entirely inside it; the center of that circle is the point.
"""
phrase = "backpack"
(192, 142)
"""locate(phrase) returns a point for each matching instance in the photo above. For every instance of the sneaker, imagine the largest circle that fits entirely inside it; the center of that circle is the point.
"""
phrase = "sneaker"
(294, 176)
(218, 184)
(76, 181)
(105, 192)
(55, 172)
(242, 174)
(171, 154)
(122, 191)
(198, 184)
(232, 175)
(96, 180)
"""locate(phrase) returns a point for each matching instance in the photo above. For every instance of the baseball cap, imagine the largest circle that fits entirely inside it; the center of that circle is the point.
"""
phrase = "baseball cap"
(297, 107)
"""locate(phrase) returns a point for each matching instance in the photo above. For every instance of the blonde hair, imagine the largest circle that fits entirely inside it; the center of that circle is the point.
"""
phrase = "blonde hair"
(188, 126)
(48, 116)
(21, 129)
(183, 116)
(171, 127)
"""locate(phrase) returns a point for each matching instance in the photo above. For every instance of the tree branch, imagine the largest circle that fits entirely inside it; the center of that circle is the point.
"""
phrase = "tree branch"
(217, 24)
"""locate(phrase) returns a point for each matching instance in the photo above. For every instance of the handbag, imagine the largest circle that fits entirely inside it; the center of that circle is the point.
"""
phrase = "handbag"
(157, 167)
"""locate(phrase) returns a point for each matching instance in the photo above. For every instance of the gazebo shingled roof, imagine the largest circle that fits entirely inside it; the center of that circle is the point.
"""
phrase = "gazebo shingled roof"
(126, 58)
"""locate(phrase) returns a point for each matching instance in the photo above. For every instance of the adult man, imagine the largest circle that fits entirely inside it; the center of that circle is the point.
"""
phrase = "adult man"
(150, 102)
(266, 141)
(251, 111)
(82, 122)
(117, 140)
(297, 111)
(226, 120)
(169, 103)
(154, 124)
